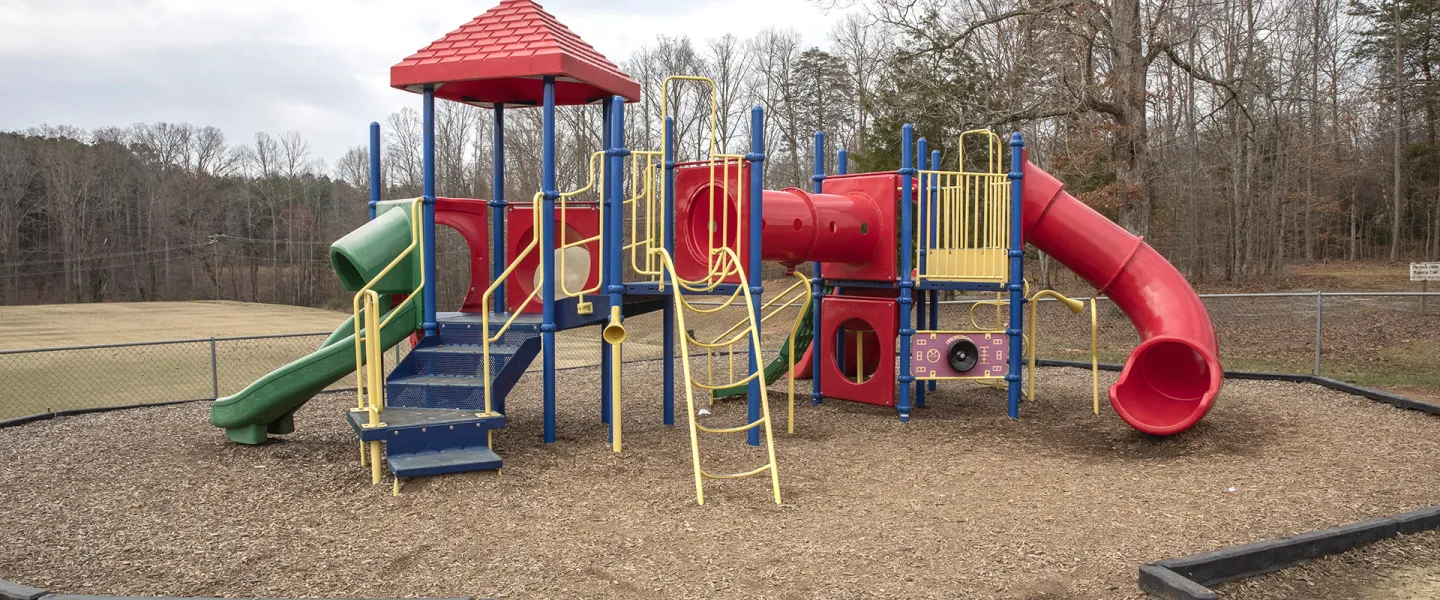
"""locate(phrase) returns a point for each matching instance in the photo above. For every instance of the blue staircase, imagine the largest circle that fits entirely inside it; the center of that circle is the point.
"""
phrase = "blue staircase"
(434, 420)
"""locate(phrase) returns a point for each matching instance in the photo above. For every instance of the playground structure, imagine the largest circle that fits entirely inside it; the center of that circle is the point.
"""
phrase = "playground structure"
(884, 245)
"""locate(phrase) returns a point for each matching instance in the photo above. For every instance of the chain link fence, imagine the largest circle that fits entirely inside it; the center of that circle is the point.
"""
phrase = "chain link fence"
(1380, 340)
(1384, 340)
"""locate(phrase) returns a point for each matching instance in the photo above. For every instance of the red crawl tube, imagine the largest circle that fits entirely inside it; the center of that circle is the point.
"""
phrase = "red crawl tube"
(1171, 379)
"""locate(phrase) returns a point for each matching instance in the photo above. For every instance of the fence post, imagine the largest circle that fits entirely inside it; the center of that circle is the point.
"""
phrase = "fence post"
(1319, 323)
(214, 372)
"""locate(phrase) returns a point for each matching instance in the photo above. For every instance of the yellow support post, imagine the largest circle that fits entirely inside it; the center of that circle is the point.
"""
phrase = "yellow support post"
(1094, 356)
(614, 335)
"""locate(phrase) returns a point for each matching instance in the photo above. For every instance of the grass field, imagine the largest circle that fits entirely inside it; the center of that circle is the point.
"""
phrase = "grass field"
(1374, 341)
(39, 382)
(51, 325)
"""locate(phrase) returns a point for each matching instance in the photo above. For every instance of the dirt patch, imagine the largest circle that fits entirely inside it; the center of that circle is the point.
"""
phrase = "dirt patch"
(1404, 568)
(960, 502)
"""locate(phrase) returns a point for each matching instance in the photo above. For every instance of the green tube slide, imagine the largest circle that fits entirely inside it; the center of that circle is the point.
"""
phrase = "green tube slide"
(268, 405)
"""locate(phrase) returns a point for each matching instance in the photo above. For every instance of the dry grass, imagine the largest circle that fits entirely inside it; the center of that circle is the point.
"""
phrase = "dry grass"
(50, 325)
(961, 502)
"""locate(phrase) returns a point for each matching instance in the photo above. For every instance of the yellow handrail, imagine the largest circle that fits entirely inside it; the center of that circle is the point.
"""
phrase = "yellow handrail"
(369, 341)
(489, 294)
(1075, 307)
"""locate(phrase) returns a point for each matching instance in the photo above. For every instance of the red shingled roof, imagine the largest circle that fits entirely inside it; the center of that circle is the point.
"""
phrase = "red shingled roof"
(501, 55)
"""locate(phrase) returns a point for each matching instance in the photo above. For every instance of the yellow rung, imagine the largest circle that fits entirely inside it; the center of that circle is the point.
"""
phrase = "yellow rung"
(756, 471)
(731, 429)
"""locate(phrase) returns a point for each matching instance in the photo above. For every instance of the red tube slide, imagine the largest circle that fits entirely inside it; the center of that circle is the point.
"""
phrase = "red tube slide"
(1171, 379)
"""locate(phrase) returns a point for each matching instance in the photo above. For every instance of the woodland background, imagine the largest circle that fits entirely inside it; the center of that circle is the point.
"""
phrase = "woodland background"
(1239, 136)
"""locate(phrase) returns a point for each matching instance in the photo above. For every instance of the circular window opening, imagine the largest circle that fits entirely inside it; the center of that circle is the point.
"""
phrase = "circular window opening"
(701, 223)
(527, 277)
(832, 227)
(798, 225)
(857, 351)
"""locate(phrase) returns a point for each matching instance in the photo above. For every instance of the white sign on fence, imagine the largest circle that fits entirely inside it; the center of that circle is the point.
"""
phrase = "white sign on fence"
(1425, 271)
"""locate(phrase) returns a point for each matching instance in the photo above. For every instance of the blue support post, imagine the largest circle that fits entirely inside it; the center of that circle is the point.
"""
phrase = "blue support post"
(428, 230)
(614, 219)
(757, 210)
(932, 232)
(547, 252)
(497, 209)
(667, 314)
(607, 205)
(923, 157)
(375, 183)
(817, 281)
(907, 329)
(1017, 273)
(841, 159)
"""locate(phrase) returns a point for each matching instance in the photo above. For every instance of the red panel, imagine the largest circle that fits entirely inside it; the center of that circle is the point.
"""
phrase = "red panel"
(583, 222)
(883, 317)
(693, 186)
(487, 59)
(884, 190)
(470, 218)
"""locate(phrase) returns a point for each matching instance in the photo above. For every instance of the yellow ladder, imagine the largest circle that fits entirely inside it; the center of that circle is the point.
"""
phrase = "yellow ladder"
(727, 263)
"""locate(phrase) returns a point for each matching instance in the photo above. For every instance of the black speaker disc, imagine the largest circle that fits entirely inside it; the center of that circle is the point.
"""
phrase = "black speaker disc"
(963, 355)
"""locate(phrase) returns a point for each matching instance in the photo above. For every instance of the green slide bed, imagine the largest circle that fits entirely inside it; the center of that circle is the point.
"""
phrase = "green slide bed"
(268, 405)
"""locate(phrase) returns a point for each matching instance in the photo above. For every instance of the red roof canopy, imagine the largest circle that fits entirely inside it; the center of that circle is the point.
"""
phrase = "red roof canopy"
(501, 56)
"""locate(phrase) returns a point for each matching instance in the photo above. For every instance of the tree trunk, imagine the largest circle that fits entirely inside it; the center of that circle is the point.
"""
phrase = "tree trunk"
(1130, 132)
(1399, 156)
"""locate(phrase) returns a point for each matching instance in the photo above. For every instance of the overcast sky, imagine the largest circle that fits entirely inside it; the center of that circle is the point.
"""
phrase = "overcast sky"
(320, 67)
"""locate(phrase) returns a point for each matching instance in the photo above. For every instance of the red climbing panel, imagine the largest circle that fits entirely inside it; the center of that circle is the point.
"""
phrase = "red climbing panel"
(882, 320)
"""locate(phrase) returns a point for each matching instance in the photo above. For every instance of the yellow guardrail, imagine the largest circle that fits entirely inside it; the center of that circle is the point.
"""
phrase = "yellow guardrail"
(369, 341)
(971, 219)
(649, 225)
(729, 261)
(563, 208)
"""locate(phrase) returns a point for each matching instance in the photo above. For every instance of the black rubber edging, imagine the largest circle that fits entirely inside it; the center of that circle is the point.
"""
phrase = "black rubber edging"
(1395, 400)
(1188, 577)
(10, 590)
(85, 411)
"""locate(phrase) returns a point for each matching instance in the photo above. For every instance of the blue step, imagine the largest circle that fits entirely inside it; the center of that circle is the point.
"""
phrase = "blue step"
(469, 328)
(427, 426)
(467, 360)
(438, 391)
(428, 441)
(458, 460)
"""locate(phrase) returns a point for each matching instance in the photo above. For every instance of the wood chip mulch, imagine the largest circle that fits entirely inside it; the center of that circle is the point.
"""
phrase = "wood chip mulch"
(960, 502)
